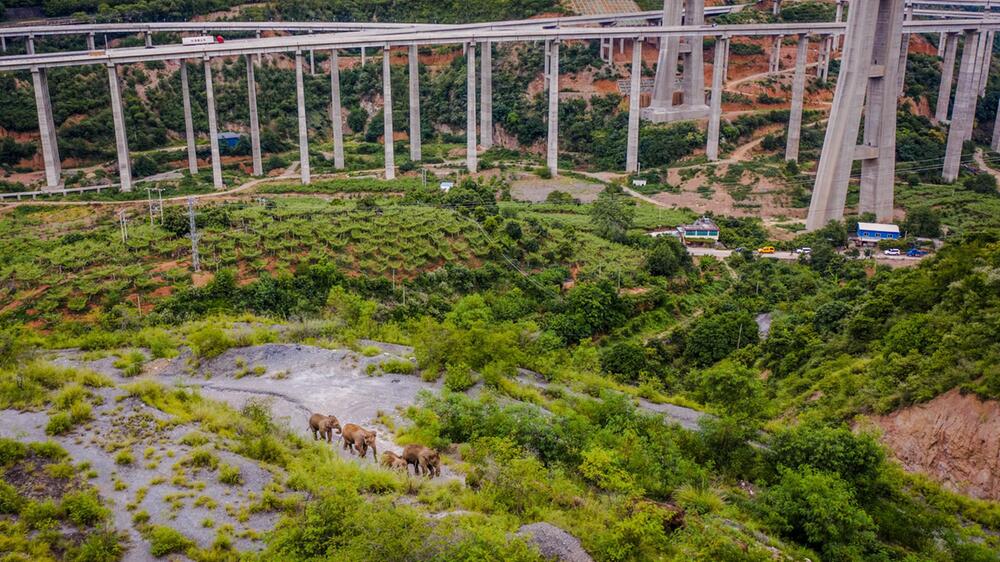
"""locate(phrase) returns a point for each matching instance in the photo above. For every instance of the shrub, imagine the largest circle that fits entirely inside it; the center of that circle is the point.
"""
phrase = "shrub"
(131, 363)
(165, 540)
(458, 377)
(209, 342)
(41, 514)
(398, 366)
(201, 458)
(59, 423)
(11, 451)
(370, 351)
(981, 183)
(102, 546)
(10, 501)
(49, 450)
(84, 508)
(124, 457)
(229, 474)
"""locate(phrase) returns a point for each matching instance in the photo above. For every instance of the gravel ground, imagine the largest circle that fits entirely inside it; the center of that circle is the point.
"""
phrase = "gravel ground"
(554, 543)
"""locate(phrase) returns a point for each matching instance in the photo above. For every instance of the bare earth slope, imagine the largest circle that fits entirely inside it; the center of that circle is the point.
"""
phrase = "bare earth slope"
(954, 438)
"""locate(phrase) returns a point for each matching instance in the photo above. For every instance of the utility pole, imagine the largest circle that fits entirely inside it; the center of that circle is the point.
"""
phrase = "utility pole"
(149, 201)
(124, 225)
(195, 263)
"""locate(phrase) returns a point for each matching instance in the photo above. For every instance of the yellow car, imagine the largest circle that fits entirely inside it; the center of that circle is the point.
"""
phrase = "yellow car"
(766, 250)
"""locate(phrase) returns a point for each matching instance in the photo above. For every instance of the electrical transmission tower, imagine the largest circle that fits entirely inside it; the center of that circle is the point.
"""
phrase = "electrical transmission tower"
(195, 262)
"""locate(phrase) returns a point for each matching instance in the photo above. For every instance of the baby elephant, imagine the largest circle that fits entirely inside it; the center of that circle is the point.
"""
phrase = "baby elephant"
(394, 461)
(359, 439)
(422, 458)
(324, 426)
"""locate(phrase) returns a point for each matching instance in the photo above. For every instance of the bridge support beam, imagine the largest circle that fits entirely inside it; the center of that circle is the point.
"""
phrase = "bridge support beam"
(715, 107)
(188, 120)
(258, 165)
(414, 76)
(798, 93)
(964, 111)
(46, 128)
(635, 90)
(213, 126)
(486, 97)
(300, 102)
(662, 108)
(552, 140)
(471, 159)
(868, 69)
(950, 47)
(390, 154)
(121, 138)
(336, 111)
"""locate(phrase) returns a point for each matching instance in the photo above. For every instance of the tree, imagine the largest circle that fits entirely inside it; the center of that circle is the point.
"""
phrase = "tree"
(857, 459)
(924, 221)
(735, 389)
(627, 360)
(714, 336)
(612, 214)
(667, 256)
(981, 183)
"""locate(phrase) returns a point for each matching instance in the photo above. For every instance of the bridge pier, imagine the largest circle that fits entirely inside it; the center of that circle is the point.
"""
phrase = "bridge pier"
(904, 50)
(46, 128)
(3, 43)
(552, 140)
(471, 160)
(995, 142)
(964, 111)
(336, 111)
(300, 102)
(715, 106)
(775, 64)
(871, 51)
(121, 138)
(798, 93)
(662, 108)
(838, 17)
(188, 120)
(258, 165)
(413, 62)
(29, 46)
(950, 47)
(149, 39)
(545, 70)
(259, 56)
(390, 154)
(90, 42)
(213, 126)
(362, 56)
(987, 61)
(635, 89)
(486, 97)
(977, 70)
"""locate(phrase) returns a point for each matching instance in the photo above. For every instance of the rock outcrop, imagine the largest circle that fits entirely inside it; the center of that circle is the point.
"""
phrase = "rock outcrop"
(553, 543)
(954, 439)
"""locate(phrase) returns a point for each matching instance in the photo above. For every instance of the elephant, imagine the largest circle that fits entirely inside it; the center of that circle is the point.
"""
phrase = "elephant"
(423, 458)
(323, 426)
(359, 439)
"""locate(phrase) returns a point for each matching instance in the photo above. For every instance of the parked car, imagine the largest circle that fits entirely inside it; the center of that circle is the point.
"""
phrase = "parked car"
(766, 250)
(803, 250)
(892, 252)
(916, 253)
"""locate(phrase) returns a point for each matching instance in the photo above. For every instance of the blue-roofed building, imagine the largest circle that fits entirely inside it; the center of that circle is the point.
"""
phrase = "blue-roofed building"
(229, 140)
(873, 232)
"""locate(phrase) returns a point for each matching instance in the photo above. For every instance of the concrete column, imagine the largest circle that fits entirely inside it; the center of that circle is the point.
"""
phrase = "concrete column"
(3, 43)
(940, 45)
(486, 97)
(213, 127)
(149, 39)
(414, 75)
(838, 17)
(46, 128)
(776, 7)
(336, 112)
(621, 46)
(188, 120)
(987, 61)
(775, 65)
(725, 65)
(30, 45)
(823, 68)
(995, 142)
(545, 71)
(312, 60)
(715, 106)
(980, 61)
(259, 56)
(666, 64)
(300, 102)
(950, 44)
(390, 154)
(694, 69)
(90, 42)
(635, 90)
(903, 51)
(552, 144)
(798, 92)
(121, 138)
(362, 56)
(964, 112)
(868, 66)
(258, 165)
(471, 159)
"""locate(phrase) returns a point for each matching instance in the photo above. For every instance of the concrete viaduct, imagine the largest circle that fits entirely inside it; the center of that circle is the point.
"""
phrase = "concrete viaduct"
(869, 83)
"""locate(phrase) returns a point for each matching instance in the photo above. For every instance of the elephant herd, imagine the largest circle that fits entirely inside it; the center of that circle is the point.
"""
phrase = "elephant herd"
(358, 440)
